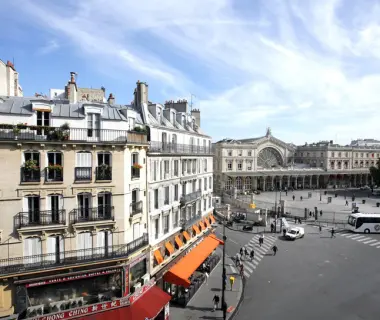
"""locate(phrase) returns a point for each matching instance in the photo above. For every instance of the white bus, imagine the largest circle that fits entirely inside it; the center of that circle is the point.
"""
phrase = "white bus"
(361, 222)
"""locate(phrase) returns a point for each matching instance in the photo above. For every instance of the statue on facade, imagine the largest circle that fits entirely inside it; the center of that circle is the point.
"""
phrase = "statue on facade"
(269, 132)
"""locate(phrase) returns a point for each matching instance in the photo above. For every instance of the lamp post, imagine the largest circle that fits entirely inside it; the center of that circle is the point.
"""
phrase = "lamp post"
(224, 276)
(275, 212)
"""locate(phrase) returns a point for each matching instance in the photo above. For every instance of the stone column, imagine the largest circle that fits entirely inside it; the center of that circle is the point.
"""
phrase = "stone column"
(355, 176)
(243, 183)
(317, 182)
(280, 182)
(264, 182)
(289, 181)
(303, 182)
(254, 183)
(273, 182)
(366, 179)
(311, 181)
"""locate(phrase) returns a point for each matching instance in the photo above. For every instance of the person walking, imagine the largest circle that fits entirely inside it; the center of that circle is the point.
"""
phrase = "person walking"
(216, 300)
(346, 203)
(294, 197)
(242, 271)
(275, 249)
(241, 251)
(261, 240)
(246, 253)
(320, 213)
(252, 254)
(320, 229)
(237, 259)
(232, 280)
(206, 278)
(333, 233)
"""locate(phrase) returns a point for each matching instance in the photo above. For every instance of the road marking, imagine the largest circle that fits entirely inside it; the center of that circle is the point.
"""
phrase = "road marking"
(360, 240)
(369, 241)
(378, 247)
(374, 244)
(246, 267)
(233, 269)
(346, 234)
(357, 237)
(256, 262)
(246, 274)
(249, 264)
(351, 235)
(233, 241)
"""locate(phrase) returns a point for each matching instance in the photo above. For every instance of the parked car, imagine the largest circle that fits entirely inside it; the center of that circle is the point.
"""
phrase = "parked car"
(376, 193)
(295, 233)
(248, 227)
(365, 188)
(256, 192)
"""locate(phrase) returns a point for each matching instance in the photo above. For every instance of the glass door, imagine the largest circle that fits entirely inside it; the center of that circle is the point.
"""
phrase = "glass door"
(54, 208)
(84, 207)
(34, 210)
(104, 205)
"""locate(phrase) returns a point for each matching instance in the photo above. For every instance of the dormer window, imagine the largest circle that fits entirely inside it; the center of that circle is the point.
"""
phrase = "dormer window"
(93, 125)
(43, 120)
(159, 115)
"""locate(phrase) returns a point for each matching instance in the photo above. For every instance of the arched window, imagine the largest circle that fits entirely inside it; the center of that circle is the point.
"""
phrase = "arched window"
(239, 183)
(248, 183)
(228, 183)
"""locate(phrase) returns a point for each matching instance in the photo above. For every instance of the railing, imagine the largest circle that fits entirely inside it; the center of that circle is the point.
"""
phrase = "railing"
(135, 172)
(92, 214)
(158, 146)
(40, 218)
(30, 175)
(53, 174)
(187, 222)
(83, 173)
(103, 173)
(73, 257)
(41, 133)
(135, 208)
(191, 196)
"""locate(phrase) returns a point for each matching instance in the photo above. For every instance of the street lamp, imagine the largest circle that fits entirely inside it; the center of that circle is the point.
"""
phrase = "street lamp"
(224, 276)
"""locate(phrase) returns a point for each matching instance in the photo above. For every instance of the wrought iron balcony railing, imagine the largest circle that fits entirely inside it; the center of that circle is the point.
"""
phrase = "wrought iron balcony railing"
(30, 175)
(103, 173)
(54, 174)
(135, 172)
(190, 197)
(190, 220)
(83, 173)
(92, 214)
(40, 218)
(176, 148)
(21, 264)
(43, 133)
(136, 208)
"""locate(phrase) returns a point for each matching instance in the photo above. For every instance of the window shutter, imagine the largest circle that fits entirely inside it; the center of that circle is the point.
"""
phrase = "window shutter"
(110, 239)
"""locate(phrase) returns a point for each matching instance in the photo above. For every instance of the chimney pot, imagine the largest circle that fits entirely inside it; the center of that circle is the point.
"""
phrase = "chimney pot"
(111, 99)
(72, 77)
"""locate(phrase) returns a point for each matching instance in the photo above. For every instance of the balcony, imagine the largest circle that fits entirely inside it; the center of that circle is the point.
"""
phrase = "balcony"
(83, 174)
(43, 133)
(40, 218)
(187, 198)
(54, 173)
(176, 148)
(135, 208)
(30, 175)
(135, 172)
(103, 173)
(69, 258)
(186, 222)
(100, 213)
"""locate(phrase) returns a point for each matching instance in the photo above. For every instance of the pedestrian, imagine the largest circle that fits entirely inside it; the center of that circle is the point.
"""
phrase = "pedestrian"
(301, 198)
(320, 213)
(299, 220)
(215, 300)
(246, 252)
(284, 232)
(237, 259)
(252, 254)
(320, 229)
(271, 227)
(346, 203)
(294, 197)
(241, 251)
(206, 277)
(333, 233)
(295, 220)
(242, 270)
(232, 280)
(310, 214)
(275, 249)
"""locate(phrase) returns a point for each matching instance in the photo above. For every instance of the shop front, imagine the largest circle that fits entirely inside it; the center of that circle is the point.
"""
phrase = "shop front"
(125, 290)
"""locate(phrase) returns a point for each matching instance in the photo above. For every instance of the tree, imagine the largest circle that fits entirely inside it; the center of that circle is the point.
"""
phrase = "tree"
(375, 173)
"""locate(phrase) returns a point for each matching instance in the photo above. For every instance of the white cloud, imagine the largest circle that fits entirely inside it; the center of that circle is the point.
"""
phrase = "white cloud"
(300, 66)
(49, 47)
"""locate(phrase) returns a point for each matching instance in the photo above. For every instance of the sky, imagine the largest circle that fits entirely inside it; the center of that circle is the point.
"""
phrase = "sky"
(308, 69)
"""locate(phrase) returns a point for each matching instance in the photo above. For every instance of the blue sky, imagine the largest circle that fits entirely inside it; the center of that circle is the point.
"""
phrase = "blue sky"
(308, 69)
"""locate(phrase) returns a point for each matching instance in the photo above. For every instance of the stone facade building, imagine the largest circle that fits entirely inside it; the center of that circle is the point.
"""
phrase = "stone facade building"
(266, 163)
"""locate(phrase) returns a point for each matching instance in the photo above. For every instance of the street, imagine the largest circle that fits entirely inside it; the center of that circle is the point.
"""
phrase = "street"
(311, 278)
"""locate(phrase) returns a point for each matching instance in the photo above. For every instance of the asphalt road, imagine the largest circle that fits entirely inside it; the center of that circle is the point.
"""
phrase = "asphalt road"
(313, 278)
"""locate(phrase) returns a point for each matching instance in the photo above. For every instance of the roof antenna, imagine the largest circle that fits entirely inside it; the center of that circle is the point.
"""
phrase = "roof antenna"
(191, 101)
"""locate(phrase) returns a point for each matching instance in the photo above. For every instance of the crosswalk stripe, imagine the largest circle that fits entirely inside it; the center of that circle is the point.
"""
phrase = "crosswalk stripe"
(246, 267)
(249, 264)
(256, 262)
(345, 234)
(363, 239)
(378, 247)
(233, 269)
(358, 237)
(374, 244)
(369, 241)
(351, 235)
(246, 274)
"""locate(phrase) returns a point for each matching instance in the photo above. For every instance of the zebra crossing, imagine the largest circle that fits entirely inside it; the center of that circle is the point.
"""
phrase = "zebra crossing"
(251, 265)
(361, 238)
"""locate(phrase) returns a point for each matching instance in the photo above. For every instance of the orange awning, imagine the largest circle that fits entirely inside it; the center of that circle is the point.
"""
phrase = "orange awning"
(212, 219)
(158, 256)
(169, 247)
(196, 229)
(180, 273)
(207, 222)
(186, 235)
(178, 241)
(202, 225)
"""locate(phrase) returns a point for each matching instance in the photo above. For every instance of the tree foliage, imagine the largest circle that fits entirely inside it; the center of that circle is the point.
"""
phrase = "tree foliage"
(375, 173)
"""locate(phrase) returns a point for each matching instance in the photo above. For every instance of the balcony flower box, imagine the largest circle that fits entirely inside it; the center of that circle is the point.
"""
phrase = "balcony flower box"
(137, 166)
(31, 165)
(55, 167)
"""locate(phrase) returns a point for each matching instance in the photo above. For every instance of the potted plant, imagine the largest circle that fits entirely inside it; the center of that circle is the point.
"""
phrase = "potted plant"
(16, 131)
(56, 167)
(31, 165)
(137, 166)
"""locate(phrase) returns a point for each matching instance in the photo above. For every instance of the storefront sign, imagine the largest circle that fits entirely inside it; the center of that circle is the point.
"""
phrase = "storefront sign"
(71, 278)
(99, 307)
(126, 281)
(137, 260)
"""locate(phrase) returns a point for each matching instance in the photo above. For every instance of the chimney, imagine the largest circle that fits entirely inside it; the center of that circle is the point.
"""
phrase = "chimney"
(71, 88)
(197, 115)
(141, 93)
(111, 99)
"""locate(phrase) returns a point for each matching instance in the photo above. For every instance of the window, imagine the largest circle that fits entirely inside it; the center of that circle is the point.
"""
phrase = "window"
(83, 167)
(105, 205)
(175, 218)
(104, 242)
(205, 184)
(166, 200)
(104, 158)
(156, 228)
(33, 209)
(204, 204)
(31, 167)
(188, 166)
(228, 184)
(104, 169)
(332, 164)
(155, 170)
(84, 244)
(32, 250)
(93, 125)
(249, 165)
(55, 248)
(240, 153)
(135, 171)
(155, 198)
(32, 156)
(166, 168)
(339, 154)
(165, 220)
(54, 207)
(239, 183)
(176, 193)
(136, 230)
(210, 182)
(176, 168)
(229, 165)
(240, 165)
(209, 202)
(54, 169)
(247, 183)
(84, 207)
(43, 120)
(183, 167)
(136, 272)
(205, 164)
(194, 166)
(249, 153)
(200, 184)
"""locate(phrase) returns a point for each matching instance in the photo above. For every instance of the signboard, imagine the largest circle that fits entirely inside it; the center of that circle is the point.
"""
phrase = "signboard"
(71, 278)
(126, 281)
(98, 307)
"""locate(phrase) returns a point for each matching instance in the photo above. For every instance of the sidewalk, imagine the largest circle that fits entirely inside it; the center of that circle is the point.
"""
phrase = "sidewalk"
(201, 305)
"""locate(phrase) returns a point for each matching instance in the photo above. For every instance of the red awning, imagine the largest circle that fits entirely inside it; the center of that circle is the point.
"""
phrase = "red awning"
(148, 306)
